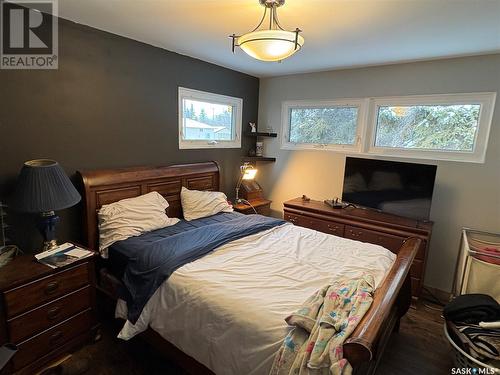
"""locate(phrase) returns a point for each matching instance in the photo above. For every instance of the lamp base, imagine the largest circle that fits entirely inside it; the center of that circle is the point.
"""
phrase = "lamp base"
(49, 245)
(47, 227)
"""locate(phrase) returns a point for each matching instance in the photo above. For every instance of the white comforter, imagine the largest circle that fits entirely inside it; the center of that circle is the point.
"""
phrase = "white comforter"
(227, 309)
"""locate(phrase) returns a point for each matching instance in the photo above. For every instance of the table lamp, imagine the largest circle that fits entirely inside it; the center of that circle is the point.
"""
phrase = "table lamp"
(43, 187)
(247, 172)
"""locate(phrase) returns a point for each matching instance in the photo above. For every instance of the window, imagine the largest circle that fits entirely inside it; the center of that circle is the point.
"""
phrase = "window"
(429, 127)
(438, 127)
(448, 127)
(333, 125)
(209, 120)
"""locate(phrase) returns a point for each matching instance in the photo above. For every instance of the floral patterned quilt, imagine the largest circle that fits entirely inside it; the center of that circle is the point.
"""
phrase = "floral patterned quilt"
(320, 327)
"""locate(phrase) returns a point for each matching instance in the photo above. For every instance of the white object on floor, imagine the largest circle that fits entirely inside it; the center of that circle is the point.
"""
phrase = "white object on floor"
(491, 325)
(227, 309)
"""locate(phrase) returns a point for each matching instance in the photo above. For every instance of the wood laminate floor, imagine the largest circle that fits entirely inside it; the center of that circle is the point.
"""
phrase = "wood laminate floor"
(419, 348)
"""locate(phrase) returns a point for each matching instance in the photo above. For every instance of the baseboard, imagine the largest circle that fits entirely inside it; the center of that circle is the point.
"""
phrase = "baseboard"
(430, 293)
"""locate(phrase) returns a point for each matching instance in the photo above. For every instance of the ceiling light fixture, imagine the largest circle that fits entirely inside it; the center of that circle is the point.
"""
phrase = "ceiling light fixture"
(273, 43)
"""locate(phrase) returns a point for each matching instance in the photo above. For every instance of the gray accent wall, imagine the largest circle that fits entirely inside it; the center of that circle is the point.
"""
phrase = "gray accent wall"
(112, 103)
(465, 195)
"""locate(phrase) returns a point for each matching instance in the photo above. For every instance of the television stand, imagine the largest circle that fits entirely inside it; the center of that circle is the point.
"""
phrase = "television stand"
(366, 225)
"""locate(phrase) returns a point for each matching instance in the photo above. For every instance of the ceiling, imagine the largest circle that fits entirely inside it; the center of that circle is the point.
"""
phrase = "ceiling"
(338, 33)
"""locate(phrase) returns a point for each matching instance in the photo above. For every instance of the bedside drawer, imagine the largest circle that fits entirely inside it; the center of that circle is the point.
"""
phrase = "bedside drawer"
(45, 316)
(389, 241)
(25, 297)
(263, 210)
(51, 339)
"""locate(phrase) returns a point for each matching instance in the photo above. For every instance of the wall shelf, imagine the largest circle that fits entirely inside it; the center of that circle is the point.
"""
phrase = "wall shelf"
(261, 134)
(258, 158)
(256, 135)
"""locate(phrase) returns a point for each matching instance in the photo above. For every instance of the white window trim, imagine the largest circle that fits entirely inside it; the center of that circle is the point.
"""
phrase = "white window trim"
(237, 103)
(477, 155)
(367, 124)
(361, 104)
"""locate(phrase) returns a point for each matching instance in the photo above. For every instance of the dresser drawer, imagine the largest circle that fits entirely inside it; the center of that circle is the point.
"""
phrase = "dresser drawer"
(51, 339)
(45, 316)
(295, 219)
(330, 227)
(389, 241)
(324, 226)
(25, 297)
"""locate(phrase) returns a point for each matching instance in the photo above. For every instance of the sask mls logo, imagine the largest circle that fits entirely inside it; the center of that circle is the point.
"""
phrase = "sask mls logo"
(29, 34)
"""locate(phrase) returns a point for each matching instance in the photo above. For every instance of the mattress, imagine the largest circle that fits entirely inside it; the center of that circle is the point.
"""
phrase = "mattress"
(121, 252)
(227, 309)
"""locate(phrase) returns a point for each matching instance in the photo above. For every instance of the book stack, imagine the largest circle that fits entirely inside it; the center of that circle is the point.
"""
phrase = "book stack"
(63, 255)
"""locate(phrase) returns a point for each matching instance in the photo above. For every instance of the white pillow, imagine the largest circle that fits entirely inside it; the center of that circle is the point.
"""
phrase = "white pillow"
(132, 217)
(197, 204)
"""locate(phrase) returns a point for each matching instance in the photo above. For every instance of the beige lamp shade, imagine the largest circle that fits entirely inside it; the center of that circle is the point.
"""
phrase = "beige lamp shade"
(270, 45)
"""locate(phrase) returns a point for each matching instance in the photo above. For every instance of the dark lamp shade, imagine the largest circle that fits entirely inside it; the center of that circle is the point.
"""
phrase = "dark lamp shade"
(43, 186)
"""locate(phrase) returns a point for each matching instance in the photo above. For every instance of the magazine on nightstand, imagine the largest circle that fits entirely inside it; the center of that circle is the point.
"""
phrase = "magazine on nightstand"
(62, 255)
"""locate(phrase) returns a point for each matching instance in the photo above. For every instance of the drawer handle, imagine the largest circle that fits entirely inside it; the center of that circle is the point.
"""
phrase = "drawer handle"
(354, 234)
(53, 313)
(51, 287)
(55, 338)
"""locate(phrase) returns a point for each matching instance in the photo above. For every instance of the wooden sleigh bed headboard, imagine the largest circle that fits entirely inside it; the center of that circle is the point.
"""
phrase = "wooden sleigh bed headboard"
(100, 187)
(363, 348)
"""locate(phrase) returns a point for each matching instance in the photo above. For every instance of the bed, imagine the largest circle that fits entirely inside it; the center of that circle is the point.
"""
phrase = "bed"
(364, 347)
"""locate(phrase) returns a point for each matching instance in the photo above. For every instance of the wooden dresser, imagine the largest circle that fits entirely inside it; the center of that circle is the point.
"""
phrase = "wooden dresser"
(389, 231)
(46, 312)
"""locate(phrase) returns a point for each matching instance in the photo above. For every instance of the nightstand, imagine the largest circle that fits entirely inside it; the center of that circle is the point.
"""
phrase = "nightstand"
(46, 312)
(262, 206)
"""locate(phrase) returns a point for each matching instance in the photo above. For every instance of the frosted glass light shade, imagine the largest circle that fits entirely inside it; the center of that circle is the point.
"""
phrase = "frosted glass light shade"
(249, 174)
(270, 45)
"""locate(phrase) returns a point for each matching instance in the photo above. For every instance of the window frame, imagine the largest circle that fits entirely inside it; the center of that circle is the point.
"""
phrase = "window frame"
(235, 102)
(485, 99)
(368, 120)
(286, 107)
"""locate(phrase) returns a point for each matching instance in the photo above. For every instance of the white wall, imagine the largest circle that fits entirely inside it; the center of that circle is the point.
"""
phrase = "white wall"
(465, 194)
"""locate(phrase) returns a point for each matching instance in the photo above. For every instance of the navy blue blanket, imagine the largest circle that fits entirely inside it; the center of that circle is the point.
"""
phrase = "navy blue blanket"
(122, 252)
(155, 262)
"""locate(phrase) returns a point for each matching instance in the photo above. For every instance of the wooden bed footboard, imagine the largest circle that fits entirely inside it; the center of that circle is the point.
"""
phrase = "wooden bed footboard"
(391, 301)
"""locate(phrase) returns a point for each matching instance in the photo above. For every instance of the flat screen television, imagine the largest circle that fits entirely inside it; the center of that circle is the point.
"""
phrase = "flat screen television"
(403, 189)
